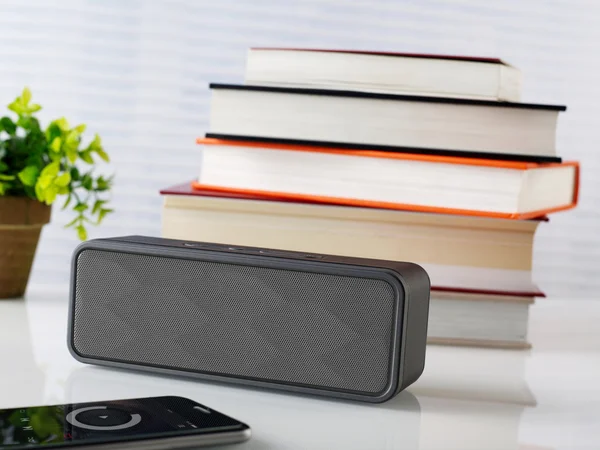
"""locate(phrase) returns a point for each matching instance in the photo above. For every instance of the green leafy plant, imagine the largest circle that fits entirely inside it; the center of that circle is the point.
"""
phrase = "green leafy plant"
(45, 164)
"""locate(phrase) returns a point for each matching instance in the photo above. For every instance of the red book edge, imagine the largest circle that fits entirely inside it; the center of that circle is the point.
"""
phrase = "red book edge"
(189, 189)
(388, 205)
(532, 294)
(480, 59)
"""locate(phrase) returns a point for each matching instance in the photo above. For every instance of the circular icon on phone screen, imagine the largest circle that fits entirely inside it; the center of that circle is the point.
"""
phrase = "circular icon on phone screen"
(102, 418)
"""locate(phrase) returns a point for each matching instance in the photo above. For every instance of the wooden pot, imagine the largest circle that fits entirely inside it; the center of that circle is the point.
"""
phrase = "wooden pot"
(21, 221)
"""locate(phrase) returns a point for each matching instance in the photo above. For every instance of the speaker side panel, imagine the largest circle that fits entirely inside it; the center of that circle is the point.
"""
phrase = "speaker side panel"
(417, 287)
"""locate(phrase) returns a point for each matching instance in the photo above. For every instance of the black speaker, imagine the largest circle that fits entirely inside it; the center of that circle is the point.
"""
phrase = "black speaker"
(308, 323)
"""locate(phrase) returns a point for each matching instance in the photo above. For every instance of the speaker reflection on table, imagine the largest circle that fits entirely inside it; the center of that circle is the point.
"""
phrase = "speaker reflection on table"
(278, 420)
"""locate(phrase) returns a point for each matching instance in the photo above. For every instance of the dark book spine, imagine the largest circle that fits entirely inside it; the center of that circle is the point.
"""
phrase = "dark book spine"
(393, 149)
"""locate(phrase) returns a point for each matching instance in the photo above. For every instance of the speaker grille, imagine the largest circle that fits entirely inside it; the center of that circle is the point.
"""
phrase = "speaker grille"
(292, 327)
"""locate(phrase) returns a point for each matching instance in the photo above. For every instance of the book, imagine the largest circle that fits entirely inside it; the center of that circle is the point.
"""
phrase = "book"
(258, 221)
(480, 307)
(408, 73)
(479, 320)
(440, 184)
(474, 306)
(398, 123)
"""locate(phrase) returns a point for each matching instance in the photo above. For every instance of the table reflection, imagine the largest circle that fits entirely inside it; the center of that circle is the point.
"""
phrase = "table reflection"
(21, 377)
(466, 399)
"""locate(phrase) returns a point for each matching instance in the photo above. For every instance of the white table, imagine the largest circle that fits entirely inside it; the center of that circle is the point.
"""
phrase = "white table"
(548, 397)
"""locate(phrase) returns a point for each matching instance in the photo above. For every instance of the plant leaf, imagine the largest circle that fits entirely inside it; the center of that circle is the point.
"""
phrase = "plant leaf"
(53, 131)
(8, 125)
(102, 154)
(67, 201)
(55, 156)
(50, 194)
(63, 180)
(74, 173)
(87, 182)
(73, 222)
(29, 175)
(80, 128)
(51, 170)
(24, 122)
(44, 181)
(96, 143)
(56, 144)
(102, 184)
(71, 154)
(80, 207)
(26, 96)
(62, 124)
(3, 166)
(86, 156)
(97, 205)
(102, 214)
(17, 106)
(81, 232)
(39, 191)
(7, 177)
(72, 139)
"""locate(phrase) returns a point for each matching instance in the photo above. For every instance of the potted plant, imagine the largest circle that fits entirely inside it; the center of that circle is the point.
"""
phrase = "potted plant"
(37, 167)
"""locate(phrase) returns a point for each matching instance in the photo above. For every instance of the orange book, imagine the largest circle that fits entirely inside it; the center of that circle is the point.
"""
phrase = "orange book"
(400, 181)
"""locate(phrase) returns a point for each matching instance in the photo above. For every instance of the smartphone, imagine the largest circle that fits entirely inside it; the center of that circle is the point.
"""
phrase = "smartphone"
(153, 423)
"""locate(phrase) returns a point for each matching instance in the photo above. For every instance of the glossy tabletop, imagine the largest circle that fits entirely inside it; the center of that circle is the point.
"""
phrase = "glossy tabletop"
(544, 398)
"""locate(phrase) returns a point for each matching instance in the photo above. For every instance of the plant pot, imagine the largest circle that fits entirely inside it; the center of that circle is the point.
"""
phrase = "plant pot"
(21, 221)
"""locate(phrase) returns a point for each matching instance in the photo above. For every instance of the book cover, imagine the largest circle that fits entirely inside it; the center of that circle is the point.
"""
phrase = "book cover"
(538, 159)
(383, 96)
(479, 59)
(292, 196)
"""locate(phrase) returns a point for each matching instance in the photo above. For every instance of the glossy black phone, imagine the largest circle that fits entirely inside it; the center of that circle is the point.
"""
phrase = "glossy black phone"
(152, 423)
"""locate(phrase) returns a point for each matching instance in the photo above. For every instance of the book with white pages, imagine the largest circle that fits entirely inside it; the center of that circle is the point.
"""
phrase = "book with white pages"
(390, 72)
(386, 122)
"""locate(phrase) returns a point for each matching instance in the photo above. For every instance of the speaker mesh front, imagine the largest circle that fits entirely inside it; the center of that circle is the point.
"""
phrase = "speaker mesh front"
(292, 327)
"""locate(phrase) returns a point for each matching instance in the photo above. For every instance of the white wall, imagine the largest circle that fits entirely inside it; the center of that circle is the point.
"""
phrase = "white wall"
(137, 72)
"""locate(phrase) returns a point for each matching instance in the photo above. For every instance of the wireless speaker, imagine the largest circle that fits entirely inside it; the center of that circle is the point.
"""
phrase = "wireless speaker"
(308, 323)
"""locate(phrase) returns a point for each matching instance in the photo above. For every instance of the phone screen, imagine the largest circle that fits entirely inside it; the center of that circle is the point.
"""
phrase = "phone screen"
(110, 421)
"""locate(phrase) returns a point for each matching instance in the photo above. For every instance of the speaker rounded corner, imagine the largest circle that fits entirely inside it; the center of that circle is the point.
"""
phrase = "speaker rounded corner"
(412, 274)
(393, 387)
(412, 377)
(87, 245)
(72, 350)
(386, 396)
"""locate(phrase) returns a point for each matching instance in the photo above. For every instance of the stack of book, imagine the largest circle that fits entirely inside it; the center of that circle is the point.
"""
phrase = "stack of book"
(421, 158)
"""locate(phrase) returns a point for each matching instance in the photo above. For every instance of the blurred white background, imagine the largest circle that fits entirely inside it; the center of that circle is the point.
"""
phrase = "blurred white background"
(137, 72)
